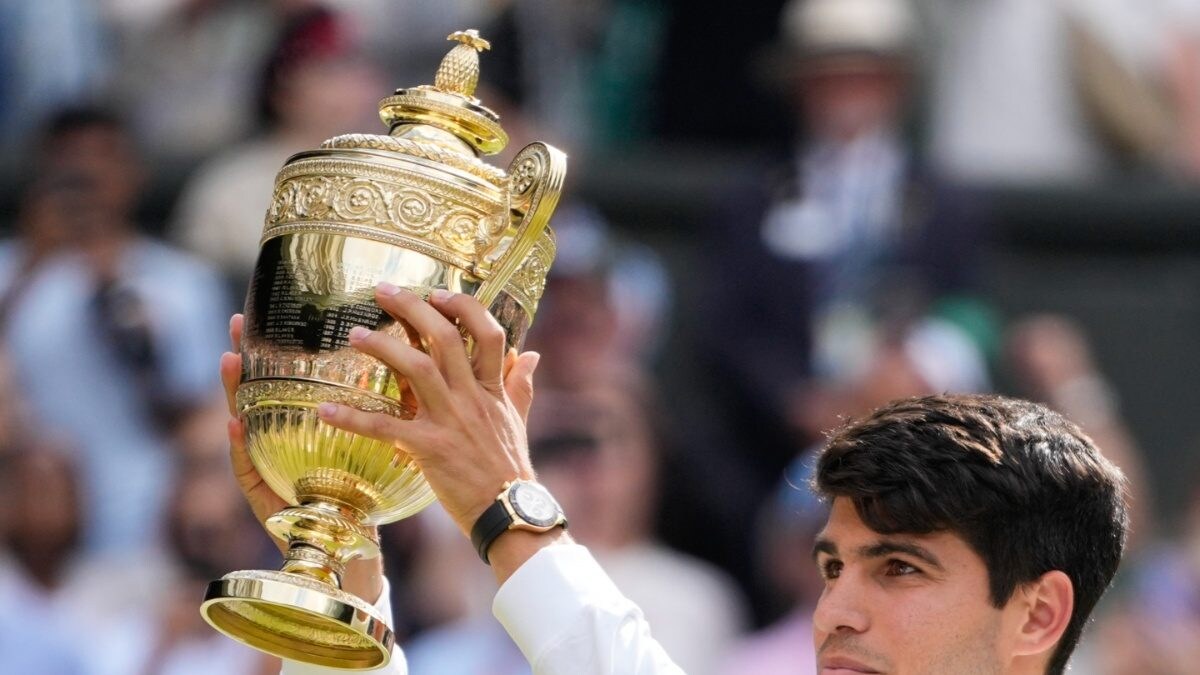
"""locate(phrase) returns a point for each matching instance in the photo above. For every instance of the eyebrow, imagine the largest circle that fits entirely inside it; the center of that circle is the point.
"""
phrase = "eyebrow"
(880, 549)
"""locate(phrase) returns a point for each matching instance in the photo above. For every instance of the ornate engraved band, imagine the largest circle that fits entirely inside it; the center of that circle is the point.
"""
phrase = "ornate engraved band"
(407, 208)
(430, 151)
(259, 392)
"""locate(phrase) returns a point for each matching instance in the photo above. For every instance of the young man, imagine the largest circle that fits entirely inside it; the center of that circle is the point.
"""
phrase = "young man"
(967, 534)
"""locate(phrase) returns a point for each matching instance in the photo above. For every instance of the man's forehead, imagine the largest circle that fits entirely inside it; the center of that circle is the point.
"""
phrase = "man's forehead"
(844, 529)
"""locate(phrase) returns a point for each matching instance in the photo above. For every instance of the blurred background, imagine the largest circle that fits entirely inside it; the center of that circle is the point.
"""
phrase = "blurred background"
(780, 214)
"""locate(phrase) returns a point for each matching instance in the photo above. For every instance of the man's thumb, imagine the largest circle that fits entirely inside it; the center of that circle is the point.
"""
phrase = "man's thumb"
(519, 383)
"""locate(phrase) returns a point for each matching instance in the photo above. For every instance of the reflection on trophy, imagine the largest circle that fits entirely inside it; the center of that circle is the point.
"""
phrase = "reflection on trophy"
(416, 208)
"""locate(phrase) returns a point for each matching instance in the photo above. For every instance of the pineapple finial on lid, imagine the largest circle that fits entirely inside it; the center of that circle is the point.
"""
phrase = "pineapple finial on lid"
(459, 70)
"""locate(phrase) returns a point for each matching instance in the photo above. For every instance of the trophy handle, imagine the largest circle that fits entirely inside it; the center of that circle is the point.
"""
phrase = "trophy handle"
(535, 184)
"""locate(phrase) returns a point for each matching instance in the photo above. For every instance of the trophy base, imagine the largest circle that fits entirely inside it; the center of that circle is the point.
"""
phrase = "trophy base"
(298, 618)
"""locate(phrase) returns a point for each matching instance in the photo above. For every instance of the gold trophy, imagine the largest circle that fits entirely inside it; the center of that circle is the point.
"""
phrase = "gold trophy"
(416, 208)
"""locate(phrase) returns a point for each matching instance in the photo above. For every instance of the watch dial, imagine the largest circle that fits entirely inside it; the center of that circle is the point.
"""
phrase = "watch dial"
(533, 503)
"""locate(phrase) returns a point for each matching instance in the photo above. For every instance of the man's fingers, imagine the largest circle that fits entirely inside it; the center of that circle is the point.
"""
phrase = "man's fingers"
(519, 382)
(237, 324)
(263, 501)
(249, 478)
(488, 359)
(438, 334)
(231, 375)
(379, 426)
(408, 362)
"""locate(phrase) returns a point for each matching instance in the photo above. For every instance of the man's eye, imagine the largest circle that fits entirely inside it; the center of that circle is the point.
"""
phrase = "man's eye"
(831, 569)
(899, 568)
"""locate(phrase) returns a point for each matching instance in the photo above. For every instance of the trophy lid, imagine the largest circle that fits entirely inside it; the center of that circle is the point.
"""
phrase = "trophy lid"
(449, 104)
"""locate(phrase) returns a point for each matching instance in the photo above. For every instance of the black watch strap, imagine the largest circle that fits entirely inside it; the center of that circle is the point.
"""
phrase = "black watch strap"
(491, 524)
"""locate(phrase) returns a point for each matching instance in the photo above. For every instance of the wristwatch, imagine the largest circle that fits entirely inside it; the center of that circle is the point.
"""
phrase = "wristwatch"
(521, 505)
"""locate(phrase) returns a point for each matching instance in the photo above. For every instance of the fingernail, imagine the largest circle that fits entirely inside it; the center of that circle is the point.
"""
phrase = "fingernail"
(326, 410)
(359, 333)
(537, 358)
(387, 289)
(441, 294)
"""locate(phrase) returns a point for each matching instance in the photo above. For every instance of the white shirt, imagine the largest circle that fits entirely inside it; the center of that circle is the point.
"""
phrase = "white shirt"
(568, 617)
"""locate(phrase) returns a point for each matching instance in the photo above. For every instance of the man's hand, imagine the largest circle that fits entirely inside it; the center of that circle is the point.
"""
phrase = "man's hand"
(468, 436)
(364, 578)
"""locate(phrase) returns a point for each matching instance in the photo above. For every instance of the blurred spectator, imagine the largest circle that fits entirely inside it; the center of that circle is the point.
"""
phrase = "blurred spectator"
(585, 71)
(210, 532)
(1029, 92)
(52, 52)
(185, 75)
(39, 605)
(408, 39)
(1050, 361)
(606, 305)
(113, 336)
(316, 85)
(845, 252)
(1183, 75)
(595, 449)
(786, 530)
(1153, 626)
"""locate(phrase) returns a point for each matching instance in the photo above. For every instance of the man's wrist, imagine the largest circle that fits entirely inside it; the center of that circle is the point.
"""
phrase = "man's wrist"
(514, 547)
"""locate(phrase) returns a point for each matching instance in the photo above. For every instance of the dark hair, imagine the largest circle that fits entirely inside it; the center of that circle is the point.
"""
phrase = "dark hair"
(1023, 486)
(76, 117)
(309, 34)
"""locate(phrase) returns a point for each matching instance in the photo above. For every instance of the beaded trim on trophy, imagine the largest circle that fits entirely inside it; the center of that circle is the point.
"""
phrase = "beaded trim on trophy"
(257, 392)
(315, 557)
(428, 151)
(306, 583)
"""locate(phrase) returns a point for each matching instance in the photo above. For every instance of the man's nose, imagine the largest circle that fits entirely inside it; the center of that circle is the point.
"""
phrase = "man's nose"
(842, 607)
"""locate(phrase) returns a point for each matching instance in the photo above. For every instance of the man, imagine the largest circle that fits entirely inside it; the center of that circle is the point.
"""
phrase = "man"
(110, 334)
(967, 534)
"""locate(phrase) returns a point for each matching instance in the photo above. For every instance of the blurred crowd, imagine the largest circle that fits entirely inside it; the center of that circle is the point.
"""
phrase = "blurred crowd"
(841, 274)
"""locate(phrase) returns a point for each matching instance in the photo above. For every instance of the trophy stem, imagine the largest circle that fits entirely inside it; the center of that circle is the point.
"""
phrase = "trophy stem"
(313, 562)
(301, 612)
(322, 537)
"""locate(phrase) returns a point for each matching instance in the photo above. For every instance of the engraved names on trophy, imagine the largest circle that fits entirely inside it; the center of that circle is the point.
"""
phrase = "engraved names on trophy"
(300, 307)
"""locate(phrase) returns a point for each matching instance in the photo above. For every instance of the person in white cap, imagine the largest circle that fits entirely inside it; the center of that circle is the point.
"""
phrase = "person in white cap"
(847, 239)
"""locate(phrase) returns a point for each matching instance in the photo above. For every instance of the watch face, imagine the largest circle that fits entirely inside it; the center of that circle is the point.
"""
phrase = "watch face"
(533, 503)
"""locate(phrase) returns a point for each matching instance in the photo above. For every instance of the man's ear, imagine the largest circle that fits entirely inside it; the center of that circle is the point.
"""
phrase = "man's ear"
(1048, 605)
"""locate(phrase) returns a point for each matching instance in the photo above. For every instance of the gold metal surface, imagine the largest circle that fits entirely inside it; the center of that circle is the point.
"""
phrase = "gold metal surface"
(418, 209)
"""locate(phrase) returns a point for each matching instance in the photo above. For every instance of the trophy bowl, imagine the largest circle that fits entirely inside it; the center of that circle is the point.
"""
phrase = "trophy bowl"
(418, 209)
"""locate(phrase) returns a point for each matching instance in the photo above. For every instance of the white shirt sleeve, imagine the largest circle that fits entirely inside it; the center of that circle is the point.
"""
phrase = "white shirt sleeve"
(397, 666)
(568, 618)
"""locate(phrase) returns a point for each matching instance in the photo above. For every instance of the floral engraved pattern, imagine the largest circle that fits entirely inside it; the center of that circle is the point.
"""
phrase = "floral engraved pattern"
(461, 233)
(526, 173)
(416, 211)
(529, 281)
(407, 210)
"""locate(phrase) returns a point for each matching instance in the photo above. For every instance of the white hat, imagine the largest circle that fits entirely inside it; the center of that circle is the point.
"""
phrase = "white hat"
(886, 27)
